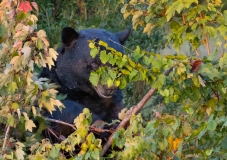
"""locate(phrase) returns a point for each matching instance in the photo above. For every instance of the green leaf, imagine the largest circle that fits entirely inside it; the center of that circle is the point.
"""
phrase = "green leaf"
(175, 25)
(82, 131)
(3, 34)
(225, 17)
(95, 154)
(223, 61)
(112, 73)
(94, 52)
(132, 74)
(94, 78)
(147, 60)
(170, 12)
(104, 57)
(209, 70)
(222, 29)
(10, 119)
(212, 56)
(208, 152)
(211, 31)
(166, 131)
(211, 125)
(123, 83)
(15, 106)
(121, 61)
(12, 87)
(163, 144)
(54, 152)
(188, 3)
(22, 15)
(137, 54)
(224, 143)
(186, 129)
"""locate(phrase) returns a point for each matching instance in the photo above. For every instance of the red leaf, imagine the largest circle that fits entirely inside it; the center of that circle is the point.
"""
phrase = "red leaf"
(25, 6)
(10, 145)
(195, 65)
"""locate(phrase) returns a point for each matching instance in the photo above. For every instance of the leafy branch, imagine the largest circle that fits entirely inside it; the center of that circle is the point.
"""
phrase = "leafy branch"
(133, 110)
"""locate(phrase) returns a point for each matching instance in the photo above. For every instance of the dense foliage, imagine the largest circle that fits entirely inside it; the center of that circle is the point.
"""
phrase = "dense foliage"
(196, 86)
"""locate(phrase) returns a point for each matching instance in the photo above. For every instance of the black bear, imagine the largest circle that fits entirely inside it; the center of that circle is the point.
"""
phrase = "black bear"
(72, 70)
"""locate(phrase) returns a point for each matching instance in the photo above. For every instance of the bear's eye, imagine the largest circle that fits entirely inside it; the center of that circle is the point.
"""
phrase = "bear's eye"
(93, 66)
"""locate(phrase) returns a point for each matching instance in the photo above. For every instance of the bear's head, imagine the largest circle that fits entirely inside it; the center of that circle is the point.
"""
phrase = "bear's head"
(74, 63)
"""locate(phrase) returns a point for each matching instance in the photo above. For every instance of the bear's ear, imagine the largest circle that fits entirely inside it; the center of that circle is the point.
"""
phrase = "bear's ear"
(123, 36)
(68, 36)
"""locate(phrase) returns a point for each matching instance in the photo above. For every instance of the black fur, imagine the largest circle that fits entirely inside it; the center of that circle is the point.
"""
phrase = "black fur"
(71, 72)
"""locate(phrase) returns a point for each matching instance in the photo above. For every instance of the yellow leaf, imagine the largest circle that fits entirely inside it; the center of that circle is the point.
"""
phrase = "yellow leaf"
(122, 114)
(170, 141)
(148, 28)
(217, 2)
(41, 34)
(50, 62)
(117, 83)
(15, 106)
(126, 14)
(128, 67)
(135, 17)
(109, 82)
(133, 64)
(29, 124)
(53, 53)
(91, 45)
(19, 154)
(103, 43)
(50, 105)
(125, 72)
(176, 143)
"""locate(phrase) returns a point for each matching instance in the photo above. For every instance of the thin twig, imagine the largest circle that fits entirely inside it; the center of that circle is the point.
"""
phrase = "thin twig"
(99, 130)
(207, 43)
(183, 18)
(121, 45)
(59, 138)
(133, 110)
(206, 38)
(60, 122)
(197, 53)
(52, 132)
(5, 139)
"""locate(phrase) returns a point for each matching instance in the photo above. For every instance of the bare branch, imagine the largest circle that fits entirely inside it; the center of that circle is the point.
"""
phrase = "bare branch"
(183, 19)
(5, 139)
(197, 53)
(60, 122)
(99, 130)
(206, 38)
(207, 43)
(52, 132)
(133, 110)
